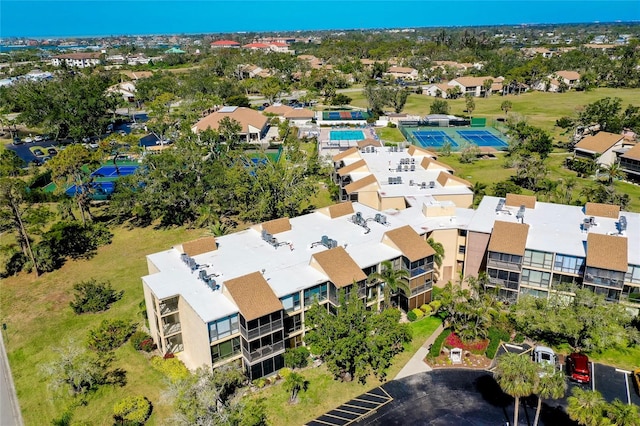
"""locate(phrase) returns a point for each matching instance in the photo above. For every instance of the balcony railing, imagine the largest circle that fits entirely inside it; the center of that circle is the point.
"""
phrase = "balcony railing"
(174, 347)
(504, 265)
(421, 289)
(504, 283)
(263, 352)
(171, 328)
(607, 282)
(262, 330)
(168, 308)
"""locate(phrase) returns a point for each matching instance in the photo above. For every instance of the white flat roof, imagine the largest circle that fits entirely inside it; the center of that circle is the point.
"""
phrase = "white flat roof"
(557, 228)
(285, 268)
(383, 164)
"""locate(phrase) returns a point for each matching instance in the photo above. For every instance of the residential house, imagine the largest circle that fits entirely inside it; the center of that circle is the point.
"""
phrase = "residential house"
(225, 44)
(599, 147)
(77, 60)
(126, 89)
(253, 124)
(474, 86)
(403, 72)
(436, 90)
(630, 163)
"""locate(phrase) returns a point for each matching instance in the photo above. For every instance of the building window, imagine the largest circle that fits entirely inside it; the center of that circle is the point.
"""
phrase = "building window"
(609, 294)
(291, 303)
(293, 323)
(633, 274)
(462, 249)
(536, 278)
(538, 259)
(569, 264)
(565, 280)
(223, 328)
(604, 277)
(504, 257)
(531, 292)
(318, 293)
(225, 349)
(504, 278)
(462, 232)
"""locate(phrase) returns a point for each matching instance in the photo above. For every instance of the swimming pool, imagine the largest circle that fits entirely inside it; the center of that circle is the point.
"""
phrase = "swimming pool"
(346, 135)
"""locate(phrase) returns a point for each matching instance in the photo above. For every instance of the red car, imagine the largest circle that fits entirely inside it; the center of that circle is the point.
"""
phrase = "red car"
(579, 368)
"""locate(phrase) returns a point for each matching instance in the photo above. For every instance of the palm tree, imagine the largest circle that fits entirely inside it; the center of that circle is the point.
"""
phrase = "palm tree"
(438, 256)
(586, 407)
(294, 383)
(218, 229)
(393, 280)
(613, 172)
(551, 384)
(517, 377)
(623, 414)
(479, 190)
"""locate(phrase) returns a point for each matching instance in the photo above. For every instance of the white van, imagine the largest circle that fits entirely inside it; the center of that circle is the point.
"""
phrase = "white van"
(544, 355)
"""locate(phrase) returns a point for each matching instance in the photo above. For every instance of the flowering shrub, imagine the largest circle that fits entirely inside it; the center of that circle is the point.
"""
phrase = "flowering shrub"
(476, 347)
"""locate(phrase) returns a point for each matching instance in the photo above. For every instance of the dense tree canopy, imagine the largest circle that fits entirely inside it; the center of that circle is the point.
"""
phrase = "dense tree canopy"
(355, 342)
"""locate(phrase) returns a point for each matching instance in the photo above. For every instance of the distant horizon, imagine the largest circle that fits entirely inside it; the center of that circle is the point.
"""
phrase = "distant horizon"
(57, 19)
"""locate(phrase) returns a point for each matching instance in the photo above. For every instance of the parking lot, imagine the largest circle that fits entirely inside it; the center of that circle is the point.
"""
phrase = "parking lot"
(469, 397)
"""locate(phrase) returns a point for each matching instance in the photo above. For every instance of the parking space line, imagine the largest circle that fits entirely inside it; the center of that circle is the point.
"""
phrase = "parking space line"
(320, 421)
(626, 382)
(337, 417)
(593, 376)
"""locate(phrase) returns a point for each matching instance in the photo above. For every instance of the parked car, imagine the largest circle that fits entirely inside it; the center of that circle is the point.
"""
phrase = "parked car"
(52, 151)
(579, 368)
(544, 355)
(38, 152)
(17, 141)
(38, 138)
(28, 139)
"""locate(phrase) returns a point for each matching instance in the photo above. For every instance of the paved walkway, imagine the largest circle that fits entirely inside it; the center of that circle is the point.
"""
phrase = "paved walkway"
(10, 414)
(416, 364)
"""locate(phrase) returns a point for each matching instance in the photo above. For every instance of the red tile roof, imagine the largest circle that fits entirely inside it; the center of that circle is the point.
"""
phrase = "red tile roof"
(225, 43)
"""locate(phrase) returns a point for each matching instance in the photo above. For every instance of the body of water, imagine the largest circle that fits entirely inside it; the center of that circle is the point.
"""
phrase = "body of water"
(68, 18)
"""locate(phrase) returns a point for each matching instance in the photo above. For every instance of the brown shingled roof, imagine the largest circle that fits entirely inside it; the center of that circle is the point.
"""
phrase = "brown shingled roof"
(416, 150)
(509, 237)
(473, 81)
(412, 245)
(599, 143)
(429, 163)
(602, 210)
(253, 296)
(341, 269)
(199, 246)
(369, 142)
(633, 153)
(345, 154)
(607, 252)
(340, 209)
(361, 183)
(245, 116)
(351, 167)
(278, 109)
(445, 178)
(517, 200)
(277, 225)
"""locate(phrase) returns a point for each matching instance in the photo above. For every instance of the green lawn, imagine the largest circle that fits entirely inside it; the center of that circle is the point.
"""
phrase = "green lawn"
(388, 134)
(324, 393)
(39, 318)
(628, 358)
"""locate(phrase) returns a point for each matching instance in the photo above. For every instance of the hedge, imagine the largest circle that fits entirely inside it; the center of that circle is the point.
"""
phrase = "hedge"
(411, 316)
(434, 351)
(495, 337)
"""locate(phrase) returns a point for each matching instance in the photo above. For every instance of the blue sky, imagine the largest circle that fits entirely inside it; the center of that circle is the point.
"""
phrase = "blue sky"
(60, 18)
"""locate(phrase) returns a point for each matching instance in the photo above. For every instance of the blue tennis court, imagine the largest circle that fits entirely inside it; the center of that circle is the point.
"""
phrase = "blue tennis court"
(99, 188)
(111, 171)
(482, 138)
(433, 138)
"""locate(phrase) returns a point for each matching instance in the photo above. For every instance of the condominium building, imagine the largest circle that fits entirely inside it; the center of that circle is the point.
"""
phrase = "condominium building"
(530, 247)
(241, 298)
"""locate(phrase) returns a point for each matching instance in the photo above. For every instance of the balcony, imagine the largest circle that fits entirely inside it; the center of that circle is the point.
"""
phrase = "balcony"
(171, 328)
(263, 330)
(504, 265)
(421, 289)
(607, 282)
(168, 308)
(513, 285)
(263, 352)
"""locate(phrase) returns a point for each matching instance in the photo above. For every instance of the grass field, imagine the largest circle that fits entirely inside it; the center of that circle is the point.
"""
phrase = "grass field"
(324, 393)
(39, 318)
